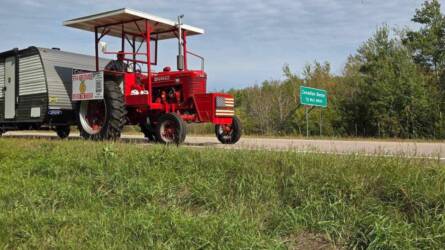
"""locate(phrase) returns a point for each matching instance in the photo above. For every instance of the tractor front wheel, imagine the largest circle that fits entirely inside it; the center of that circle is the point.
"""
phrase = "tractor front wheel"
(171, 129)
(63, 131)
(103, 119)
(229, 134)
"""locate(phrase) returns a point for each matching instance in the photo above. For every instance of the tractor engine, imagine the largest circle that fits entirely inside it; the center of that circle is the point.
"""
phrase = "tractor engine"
(178, 87)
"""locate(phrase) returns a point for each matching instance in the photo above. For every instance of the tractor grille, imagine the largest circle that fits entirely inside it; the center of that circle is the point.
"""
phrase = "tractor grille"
(224, 106)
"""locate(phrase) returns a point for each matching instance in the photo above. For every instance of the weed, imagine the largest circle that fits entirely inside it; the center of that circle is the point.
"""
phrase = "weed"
(77, 194)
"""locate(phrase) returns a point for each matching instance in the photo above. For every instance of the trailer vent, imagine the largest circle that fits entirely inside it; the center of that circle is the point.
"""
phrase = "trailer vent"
(35, 112)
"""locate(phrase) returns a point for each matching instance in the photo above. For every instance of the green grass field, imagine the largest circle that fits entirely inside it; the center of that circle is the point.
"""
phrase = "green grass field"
(77, 194)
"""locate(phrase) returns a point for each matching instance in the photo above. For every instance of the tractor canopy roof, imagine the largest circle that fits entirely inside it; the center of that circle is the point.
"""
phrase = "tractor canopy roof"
(134, 22)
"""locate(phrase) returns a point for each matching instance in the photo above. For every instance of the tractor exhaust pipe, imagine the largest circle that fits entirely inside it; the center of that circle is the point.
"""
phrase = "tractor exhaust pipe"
(180, 59)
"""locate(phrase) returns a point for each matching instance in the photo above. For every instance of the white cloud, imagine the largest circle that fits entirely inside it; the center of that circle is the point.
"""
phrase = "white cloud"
(246, 41)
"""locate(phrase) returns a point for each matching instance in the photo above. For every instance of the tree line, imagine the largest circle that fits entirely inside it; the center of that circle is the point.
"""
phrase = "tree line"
(393, 86)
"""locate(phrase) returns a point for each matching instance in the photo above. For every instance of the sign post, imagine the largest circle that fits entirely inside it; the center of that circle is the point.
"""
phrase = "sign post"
(311, 97)
(306, 112)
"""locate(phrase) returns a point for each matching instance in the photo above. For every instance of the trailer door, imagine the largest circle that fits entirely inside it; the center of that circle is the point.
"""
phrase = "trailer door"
(10, 88)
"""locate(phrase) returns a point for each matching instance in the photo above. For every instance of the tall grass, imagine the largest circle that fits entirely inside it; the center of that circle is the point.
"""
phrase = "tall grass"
(76, 194)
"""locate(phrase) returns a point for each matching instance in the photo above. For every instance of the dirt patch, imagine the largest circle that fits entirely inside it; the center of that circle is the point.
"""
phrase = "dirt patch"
(308, 241)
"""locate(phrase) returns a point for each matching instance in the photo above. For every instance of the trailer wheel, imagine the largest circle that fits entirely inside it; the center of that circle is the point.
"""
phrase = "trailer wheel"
(103, 119)
(171, 129)
(229, 134)
(63, 131)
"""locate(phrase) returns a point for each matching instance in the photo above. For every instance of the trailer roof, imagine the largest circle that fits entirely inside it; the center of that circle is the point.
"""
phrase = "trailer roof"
(159, 25)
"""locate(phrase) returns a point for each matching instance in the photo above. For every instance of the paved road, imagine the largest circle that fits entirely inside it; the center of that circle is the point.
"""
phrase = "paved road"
(408, 149)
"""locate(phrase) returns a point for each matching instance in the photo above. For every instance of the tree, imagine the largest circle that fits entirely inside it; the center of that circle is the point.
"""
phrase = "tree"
(427, 45)
(394, 86)
(389, 96)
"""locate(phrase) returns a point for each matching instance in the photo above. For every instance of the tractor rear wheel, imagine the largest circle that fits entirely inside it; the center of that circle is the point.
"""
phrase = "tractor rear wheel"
(103, 119)
(63, 131)
(171, 129)
(229, 134)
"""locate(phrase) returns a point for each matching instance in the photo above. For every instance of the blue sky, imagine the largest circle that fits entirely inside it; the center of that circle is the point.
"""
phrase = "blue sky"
(246, 42)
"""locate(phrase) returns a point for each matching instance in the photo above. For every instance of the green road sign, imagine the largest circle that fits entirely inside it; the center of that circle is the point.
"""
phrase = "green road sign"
(313, 97)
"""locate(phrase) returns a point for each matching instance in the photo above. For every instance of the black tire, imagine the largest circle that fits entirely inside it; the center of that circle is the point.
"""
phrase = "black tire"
(179, 127)
(115, 117)
(63, 131)
(233, 136)
(148, 132)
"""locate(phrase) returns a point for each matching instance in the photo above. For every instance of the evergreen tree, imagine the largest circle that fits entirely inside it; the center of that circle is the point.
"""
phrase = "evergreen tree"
(390, 97)
(427, 45)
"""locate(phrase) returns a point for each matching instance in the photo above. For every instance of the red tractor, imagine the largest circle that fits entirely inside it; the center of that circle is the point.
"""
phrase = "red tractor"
(128, 91)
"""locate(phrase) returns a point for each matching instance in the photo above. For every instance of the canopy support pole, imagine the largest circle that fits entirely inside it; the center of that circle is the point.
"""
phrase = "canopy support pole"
(149, 78)
(96, 48)
(184, 46)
